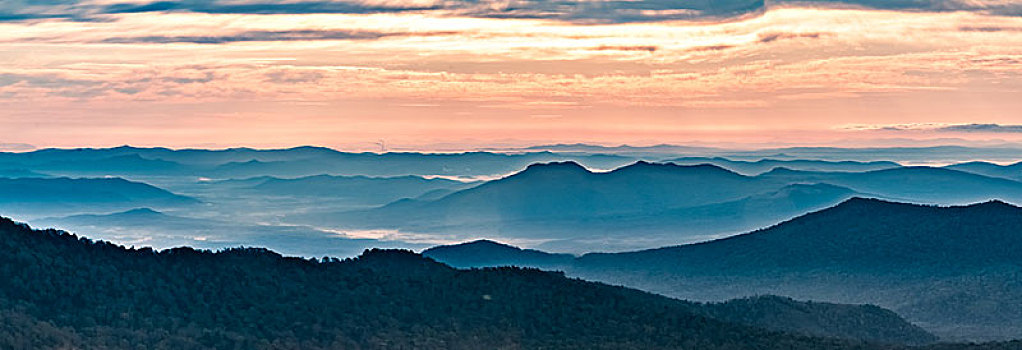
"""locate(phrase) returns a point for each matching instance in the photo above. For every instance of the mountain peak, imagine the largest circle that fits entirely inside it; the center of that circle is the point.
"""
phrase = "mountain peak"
(781, 170)
(994, 204)
(483, 246)
(551, 167)
(868, 203)
(482, 253)
(141, 211)
(881, 203)
(643, 165)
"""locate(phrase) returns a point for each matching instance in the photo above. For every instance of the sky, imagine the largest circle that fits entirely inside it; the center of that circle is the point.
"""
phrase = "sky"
(367, 74)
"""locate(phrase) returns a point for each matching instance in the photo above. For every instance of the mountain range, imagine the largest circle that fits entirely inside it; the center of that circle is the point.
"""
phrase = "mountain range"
(955, 271)
(114, 297)
(151, 228)
(902, 154)
(1011, 171)
(291, 162)
(764, 165)
(591, 204)
(572, 209)
(358, 189)
(40, 196)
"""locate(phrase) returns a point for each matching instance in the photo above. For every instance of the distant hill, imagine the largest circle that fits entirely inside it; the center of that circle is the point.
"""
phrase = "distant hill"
(1012, 171)
(706, 222)
(914, 184)
(113, 297)
(308, 161)
(821, 319)
(927, 154)
(114, 165)
(864, 322)
(291, 162)
(56, 195)
(16, 173)
(358, 189)
(399, 164)
(556, 200)
(646, 205)
(953, 270)
(557, 190)
(486, 253)
(159, 230)
(919, 154)
(655, 150)
(764, 165)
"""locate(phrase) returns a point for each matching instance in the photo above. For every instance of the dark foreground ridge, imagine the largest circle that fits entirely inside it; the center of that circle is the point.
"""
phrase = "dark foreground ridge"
(64, 291)
(953, 270)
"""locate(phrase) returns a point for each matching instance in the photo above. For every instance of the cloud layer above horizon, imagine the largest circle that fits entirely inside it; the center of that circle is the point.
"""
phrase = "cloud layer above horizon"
(103, 72)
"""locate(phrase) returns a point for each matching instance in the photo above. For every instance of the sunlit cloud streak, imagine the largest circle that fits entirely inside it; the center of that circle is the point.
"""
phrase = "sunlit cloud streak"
(249, 36)
(941, 127)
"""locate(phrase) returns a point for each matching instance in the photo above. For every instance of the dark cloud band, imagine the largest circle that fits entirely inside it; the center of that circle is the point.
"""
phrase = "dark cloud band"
(578, 11)
(989, 128)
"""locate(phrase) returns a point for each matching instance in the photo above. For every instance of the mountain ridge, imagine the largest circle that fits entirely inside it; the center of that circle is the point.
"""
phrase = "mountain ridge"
(397, 297)
(952, 269)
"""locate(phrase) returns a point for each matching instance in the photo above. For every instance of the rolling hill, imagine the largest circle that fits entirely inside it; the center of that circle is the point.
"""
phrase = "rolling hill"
(646, 205)
(556, 200)
(41, 196)
(764, 165)
(1012, 171)
(144, 226)
(912, 184)
(68, 291)
(953, 270)
(290, 162)
(357, 189)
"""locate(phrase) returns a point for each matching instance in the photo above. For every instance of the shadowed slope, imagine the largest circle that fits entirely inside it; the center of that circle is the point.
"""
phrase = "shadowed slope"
(101, 295)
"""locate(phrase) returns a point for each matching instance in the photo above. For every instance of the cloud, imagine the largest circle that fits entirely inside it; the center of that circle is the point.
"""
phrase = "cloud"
(578, 11)
(42, 81)
(989, 29)
(940, 127)
(774, 36)
(647, 48)
(990, 128)
(261, 7)
(261, 36)
(294, 77)
(15, 147)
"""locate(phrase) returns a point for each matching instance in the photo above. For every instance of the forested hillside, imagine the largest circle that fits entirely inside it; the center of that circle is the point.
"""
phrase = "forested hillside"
(953, 270)
(66, 291)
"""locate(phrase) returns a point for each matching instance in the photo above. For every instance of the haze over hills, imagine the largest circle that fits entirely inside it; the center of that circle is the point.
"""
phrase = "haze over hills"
(764, 165)
(41, 196)
(925, 155)
(359, 189)
(575, 209)
(955, 271)
(292, 162)
(1012, 171)
(308, 161)
(199, 199)
(19, 173)
(913, 184)
(254, 298)
(150, 228)
(938, 154)
(646, 204)
(553, 200)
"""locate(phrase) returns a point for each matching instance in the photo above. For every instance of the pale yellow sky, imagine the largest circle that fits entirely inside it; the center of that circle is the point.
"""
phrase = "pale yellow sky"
(788, 75)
